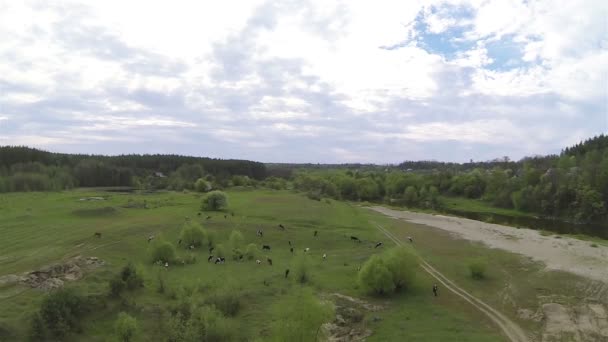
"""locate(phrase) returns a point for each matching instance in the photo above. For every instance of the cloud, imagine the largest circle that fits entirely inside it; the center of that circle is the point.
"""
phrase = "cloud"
(306, 80)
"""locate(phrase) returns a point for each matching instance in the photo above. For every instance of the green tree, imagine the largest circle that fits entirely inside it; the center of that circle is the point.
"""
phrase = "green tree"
(402, 264)
(300, 316)
(125, 327)
(193, 234)
(201, 185)
(236, 239)
(163, 251)
(215, 201)
(410, 196)
(375, 277)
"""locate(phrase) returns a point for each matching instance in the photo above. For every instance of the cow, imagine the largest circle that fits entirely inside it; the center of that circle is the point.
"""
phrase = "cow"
(225, 216)
(324, 256)
(289, 242)
(220, 260)
(258, 261)
(354, 238)
(179, 242)
(266, 247)
(378, 244)
(199, 213)
(150, 238)
(410, 238)
(191, 247)
(208, 218)
(315, 234)
(97, 234)
(269, 261)
(281, 226)
(306, 249)
(291, 250)
(286, 273)
(259, 233)
(209, 258)
(232, 214)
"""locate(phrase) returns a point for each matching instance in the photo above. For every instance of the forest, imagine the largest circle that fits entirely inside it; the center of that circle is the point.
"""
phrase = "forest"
(28, 169)
(572, 185)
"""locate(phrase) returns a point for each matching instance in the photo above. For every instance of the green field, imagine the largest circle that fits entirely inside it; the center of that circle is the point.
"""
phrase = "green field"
(38, 229)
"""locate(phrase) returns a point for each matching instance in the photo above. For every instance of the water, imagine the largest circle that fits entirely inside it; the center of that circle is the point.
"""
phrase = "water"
(537, 223)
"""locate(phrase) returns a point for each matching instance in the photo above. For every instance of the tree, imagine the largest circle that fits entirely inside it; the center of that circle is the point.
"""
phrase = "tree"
(61, 312)
(236, 239)
(300, 316)
(477, 268)
(410, 196)
(202, 185)
(125, 327)
(163, 251)
(375, 277)
(215, 201)
(401, 263)
(193, 234)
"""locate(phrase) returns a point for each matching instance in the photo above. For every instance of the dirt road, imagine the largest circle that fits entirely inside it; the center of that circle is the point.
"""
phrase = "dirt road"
(566, 254)
(513, 332)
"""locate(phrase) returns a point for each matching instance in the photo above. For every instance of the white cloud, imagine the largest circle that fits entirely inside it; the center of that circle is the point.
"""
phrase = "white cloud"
(309, 75)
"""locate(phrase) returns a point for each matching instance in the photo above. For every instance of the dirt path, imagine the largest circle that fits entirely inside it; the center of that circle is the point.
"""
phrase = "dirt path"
(564, 253)
(509, 328)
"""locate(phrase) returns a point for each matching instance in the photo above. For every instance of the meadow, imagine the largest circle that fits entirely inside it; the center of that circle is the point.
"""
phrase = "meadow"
(38, 229)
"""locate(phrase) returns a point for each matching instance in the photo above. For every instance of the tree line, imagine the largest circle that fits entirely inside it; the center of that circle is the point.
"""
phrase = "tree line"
(29, 169)
(572, 185)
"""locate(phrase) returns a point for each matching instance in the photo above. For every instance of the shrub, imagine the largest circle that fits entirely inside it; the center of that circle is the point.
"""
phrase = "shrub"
(117, 286)
(61, 312)
(477, 269)
(37, 329)
(236, 239)
(375, 277)
(300, 316)
(125, 327)
(132, 279)
(202, 185)
(220, 251)
(190, 259)
(236, 254)
(227, 301)
(215, 201)
(251, 252)
(314, 195)
(163, 251)
(594, 245)
(301, 268)
(193, 234)
(202, 324)
(401, 263)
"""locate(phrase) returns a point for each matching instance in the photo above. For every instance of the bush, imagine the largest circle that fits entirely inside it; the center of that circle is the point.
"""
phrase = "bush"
(236, 239)
(202, 185)
(163, 251)
(401, 263)
(251, 252)
(237, 254)
(227, 301)
(478, 269)
(300, 316)
(132, 279)
(37, 329)
(193, 234)
(61, 312)
(202, 324)
(190, 259)
(125, 327)
(301, 268)
(215, 201)
(220, 251)
(117, 286)
(375, 277)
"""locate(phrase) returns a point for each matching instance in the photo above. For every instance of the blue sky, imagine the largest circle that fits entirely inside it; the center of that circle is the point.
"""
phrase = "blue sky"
(304, 81)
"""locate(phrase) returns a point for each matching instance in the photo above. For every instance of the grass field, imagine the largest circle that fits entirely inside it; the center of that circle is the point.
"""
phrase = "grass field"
(38, 229)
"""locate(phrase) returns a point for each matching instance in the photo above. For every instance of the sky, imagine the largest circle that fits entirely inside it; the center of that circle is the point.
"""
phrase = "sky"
(304, 81)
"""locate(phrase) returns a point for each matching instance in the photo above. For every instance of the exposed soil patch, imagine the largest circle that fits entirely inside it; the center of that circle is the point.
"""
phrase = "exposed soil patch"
(349, 324)
(585, 322)
(53, 276)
